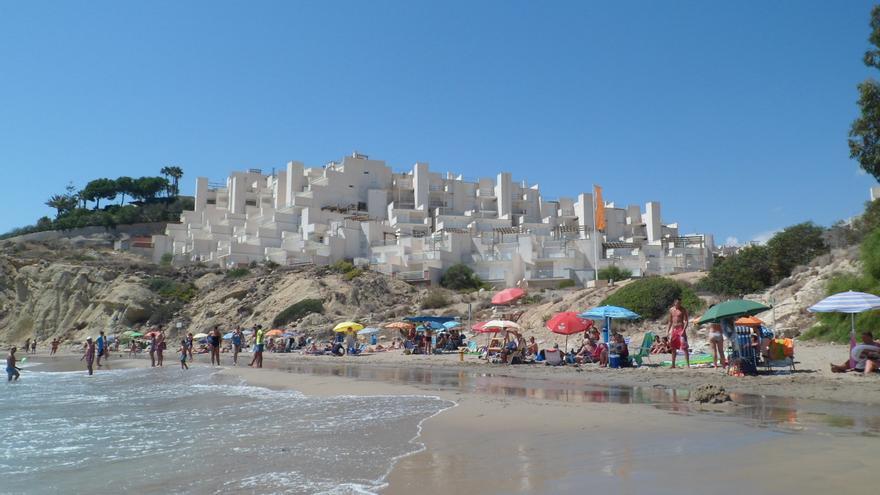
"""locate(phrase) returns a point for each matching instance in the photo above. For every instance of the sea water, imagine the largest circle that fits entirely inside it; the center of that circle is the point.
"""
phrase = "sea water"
(173, 431)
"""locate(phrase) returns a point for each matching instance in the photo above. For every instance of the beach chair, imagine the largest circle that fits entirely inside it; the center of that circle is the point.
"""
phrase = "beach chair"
(553, 357)
(741, 349)
(644, 350)
(780, 354)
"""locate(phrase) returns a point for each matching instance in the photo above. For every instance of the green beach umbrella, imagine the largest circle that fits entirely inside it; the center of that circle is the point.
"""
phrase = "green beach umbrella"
(732, 309)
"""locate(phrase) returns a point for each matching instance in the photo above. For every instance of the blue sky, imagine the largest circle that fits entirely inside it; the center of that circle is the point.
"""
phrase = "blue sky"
(733, 114)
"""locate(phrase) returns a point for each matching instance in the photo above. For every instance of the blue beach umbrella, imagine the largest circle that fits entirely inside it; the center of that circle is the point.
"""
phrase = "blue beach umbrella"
(449, 325)
(608, 313)
(227, 336)
(851, 302)
(368, 331)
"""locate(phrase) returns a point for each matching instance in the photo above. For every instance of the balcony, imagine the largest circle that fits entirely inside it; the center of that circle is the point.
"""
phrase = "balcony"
(547, 273)
(556, 253)
(412, 276)
(486, 193)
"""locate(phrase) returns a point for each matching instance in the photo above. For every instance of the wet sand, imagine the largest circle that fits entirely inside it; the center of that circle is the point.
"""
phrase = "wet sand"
(539, 430)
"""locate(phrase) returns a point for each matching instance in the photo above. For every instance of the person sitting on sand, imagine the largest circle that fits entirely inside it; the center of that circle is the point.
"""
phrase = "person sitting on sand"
(866, 356)
(619, 347)
(12, 371)
(532, 348)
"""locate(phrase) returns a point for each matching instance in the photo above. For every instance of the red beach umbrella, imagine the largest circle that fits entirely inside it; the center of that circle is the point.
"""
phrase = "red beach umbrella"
(568, 323)
(508, 296)
(479, 328)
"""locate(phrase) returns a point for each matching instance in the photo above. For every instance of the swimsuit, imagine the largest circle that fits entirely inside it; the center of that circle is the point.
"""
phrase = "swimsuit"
(679, 340)
(715, 337)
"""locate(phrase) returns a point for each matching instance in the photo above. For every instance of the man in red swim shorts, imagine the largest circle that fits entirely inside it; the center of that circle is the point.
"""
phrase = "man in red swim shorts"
(677, 331)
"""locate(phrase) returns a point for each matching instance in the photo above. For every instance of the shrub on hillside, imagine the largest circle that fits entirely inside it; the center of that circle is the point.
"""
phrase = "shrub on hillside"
(460, 277)
(614, 273)
(352, 274)
(172, 289)
(795, 245)
(237, 272)
(565, 284)
(435, 299)
(297, 311)
(742, 273)
(651, 297)
(836, 326)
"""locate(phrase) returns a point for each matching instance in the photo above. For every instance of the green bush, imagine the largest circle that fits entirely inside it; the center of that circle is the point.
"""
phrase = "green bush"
(565, 284)
(238, 272)
(532, 299)
(297, 311)
(795, 245)
(742, 273)
(172, 289)
(435, 299)
(342, 266)
(352, 274)
(166, 260)
(460, 277)
(614, 273)
(651, 297)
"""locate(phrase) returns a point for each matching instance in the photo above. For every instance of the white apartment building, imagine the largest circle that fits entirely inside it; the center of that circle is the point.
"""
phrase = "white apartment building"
(415, 224)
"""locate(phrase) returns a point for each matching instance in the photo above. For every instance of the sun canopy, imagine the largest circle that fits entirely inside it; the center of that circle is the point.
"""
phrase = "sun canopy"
(613, 312)
(568, 323)
(748, 321)
(508, 296)
(424, 318)
(732, 309)
(348, 325)
(846, 302)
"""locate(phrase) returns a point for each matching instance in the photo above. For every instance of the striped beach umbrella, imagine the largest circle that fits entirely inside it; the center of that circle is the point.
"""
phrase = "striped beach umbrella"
(851, 302)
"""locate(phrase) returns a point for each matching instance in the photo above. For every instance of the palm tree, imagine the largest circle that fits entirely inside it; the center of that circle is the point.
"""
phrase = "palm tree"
(175, 173)
(62, 203)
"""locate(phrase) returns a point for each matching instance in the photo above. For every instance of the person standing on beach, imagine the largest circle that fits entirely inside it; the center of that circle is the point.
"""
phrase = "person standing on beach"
(55, 343)
(258, 347)
(214, 339)
(182, 351)
(237, 339)
(101, 343)
(189, 345)
(34, 346)
(152, 350)
(12, 371)
(716, 343)
(160, 347)
(27, 346)
(677, 331)
(89, 355)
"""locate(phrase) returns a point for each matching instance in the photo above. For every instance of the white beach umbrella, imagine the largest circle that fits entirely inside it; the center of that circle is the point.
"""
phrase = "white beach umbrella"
(851, 302)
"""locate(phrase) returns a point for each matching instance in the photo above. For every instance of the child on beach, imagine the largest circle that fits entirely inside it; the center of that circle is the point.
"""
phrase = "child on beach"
(183, 351)
(660, 346)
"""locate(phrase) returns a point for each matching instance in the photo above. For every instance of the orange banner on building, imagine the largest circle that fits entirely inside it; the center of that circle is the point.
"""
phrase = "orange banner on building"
(600, 208)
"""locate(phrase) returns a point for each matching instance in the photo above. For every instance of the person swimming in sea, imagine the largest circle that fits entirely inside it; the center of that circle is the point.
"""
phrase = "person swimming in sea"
(12, 371)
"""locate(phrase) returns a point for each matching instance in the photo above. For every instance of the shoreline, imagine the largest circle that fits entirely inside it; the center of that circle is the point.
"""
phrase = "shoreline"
(542, 445)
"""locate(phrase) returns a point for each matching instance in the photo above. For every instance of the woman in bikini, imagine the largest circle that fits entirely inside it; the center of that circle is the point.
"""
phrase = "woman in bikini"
(716, 343)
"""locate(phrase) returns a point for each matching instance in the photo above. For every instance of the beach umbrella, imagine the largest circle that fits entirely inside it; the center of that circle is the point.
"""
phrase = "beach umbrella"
(346, 325)
(508, 296)
(568, 323)
(424, 318)
(732, 309)
(748, 321)
(500, 325)
(399, 325)
(449, 325)
(608, 313)
(226, 336)
(248, 332)
(288, 335)
(851, 302)
(132, 334)
(478, 327)
(368, 331)
(196, 336)
(275, 332)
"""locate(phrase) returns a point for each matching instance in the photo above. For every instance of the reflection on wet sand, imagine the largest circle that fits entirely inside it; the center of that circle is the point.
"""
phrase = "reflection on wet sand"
(780, 413)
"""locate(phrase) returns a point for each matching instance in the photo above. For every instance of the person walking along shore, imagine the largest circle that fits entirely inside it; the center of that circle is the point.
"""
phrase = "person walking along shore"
(89, 355)
(12, 371)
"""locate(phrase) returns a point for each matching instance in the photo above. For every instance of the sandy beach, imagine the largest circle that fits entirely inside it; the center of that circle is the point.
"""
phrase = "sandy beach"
(534, 429)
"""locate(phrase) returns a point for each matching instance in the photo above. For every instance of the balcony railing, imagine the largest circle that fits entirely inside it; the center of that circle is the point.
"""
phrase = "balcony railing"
(416, 275)
(545, 273)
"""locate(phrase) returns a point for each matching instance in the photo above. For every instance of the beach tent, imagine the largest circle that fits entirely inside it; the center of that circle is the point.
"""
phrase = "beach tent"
(608, 313)
(568, 323)
(508, 296)
(851, 302)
